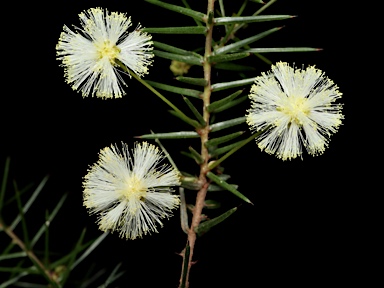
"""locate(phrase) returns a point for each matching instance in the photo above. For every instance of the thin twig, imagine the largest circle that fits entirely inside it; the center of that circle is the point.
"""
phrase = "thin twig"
(29, 253)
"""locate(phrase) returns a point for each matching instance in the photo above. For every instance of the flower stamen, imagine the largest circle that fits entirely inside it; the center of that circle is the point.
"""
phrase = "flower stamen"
(294, 108)
(109, 51)
(92, 56)
(134, 187)
(130, 191)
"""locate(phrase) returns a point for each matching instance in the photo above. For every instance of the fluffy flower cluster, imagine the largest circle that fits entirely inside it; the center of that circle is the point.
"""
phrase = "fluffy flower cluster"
(294, 108)
(130, 191)
(92, 54)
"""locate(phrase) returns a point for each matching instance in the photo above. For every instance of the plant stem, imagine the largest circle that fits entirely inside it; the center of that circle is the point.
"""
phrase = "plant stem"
(203, 132)
(29, 253)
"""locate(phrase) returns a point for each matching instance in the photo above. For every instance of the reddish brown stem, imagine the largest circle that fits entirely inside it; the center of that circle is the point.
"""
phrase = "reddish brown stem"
(204, 133)
(28, 252)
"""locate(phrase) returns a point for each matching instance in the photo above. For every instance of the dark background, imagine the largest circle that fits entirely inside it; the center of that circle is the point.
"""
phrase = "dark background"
(302, 229)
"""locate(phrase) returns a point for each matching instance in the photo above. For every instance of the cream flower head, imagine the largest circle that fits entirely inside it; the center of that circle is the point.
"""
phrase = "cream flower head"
(90, 55)
(295, 107)
(130, 191)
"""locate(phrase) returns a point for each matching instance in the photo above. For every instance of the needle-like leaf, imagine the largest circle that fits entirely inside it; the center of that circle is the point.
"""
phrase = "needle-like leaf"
(219, 103)
(49, 220)
(171, 135)
(194, 81)
(4, 182)
(177, 90)
(177, 30)
(250, 19)
(282, 49)
(173, 49)
(226, 124)
(227, 186)
(195, 112)
(223, 139)
(29, 202)
(207, 225)
(189, 59)
(94, 245)
(179, 9)
(239, 44)
(232, 84)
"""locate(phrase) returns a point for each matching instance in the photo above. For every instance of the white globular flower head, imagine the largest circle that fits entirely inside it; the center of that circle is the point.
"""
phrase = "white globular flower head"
(91, 55)
(293, 108)
(130, 190)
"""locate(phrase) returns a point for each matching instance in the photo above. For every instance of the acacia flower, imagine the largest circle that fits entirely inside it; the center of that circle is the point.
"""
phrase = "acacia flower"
(90, 55)
(294, 107)
(130, 191)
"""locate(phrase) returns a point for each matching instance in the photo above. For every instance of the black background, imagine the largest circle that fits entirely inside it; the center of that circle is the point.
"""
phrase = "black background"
(302, 229)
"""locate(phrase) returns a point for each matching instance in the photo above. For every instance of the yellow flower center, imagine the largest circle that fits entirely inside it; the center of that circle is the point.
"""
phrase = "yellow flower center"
(295, 107)
(135, 187)
(108, 50)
